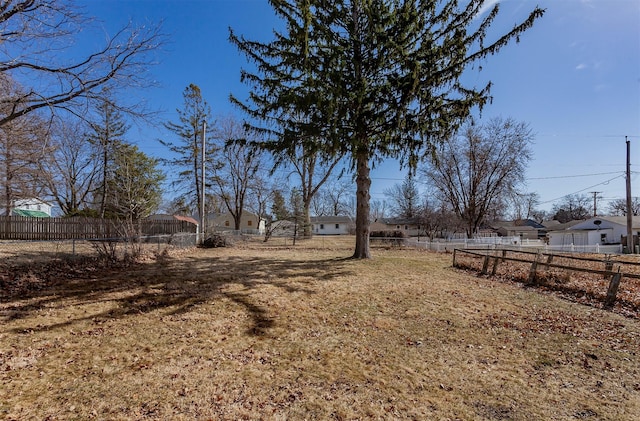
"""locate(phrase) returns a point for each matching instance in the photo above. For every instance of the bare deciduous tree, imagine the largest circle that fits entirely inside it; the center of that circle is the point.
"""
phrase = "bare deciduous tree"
(72, 171)
(332, 198)
(236, 167)
(476, 168)
(523, 205)
(23, 145)
(35, 36)
(404, 199)
(573, 207)
(313, 171)
(618, 207)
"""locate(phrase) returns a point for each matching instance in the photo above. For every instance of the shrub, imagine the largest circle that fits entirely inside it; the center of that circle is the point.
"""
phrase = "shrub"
(390, 237)
(216, 240)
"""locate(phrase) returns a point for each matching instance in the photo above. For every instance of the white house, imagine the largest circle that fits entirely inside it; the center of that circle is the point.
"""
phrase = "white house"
(249, 223)
(33, 207)
(597, 230)
(332, 225)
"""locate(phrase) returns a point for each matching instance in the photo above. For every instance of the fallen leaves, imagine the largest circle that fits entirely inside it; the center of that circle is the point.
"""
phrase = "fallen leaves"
(577, 286)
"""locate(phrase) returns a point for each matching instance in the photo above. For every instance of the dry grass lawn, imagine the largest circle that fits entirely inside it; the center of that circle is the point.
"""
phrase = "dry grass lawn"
(274, 333)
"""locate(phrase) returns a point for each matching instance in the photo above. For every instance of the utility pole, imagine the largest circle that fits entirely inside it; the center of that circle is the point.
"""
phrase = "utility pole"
(630, 245)
(595, 202)
(202, 202)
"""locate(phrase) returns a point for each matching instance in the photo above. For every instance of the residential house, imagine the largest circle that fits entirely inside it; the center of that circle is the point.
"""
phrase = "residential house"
(32, 207)
(523, 228)
(597, 230)
(250, 223)
(407, 225)
(332, 225)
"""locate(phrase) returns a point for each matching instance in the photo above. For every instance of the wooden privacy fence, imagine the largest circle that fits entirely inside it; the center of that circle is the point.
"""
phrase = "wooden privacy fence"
(43, 229)
(598, 279)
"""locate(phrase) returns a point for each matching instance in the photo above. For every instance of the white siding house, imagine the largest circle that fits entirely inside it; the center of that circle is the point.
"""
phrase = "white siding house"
(598, 230)
(332, 225)
(35, 206)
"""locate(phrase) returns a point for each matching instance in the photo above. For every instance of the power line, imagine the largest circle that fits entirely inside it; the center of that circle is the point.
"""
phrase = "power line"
(580, 191)
(572, 176)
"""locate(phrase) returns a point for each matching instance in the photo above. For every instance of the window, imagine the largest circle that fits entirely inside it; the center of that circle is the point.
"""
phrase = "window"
(337, 226)
(226, 223)
(406, 227)
(249, 223)
(321, 226)
(603, 238)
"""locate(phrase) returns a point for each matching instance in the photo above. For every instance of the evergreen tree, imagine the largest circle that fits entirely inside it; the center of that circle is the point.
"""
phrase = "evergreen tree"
(278, 206)
(136, 185)
(188, 148)
(107, 135)
(371, 79)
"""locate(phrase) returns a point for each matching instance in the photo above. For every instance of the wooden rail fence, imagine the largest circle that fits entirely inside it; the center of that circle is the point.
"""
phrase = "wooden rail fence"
(43, 229)
(539, 262)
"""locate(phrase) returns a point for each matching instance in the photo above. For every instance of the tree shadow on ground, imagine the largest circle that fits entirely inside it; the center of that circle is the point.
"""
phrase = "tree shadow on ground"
(176, 285)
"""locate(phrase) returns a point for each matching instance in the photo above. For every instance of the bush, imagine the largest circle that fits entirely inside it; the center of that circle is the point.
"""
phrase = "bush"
(216, 240)
(390, 237)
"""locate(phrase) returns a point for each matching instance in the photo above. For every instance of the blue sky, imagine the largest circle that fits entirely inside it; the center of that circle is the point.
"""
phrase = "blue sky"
(574, 78)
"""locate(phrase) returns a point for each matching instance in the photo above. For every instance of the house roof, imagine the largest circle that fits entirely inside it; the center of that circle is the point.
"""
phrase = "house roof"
(589, 225)
(400, 221)
(622, 220)
(30, 213)
(520, 224)
(619, 220)
(31, 201)
(517, 228)
(561, 227)
(167, 217)
(186, 219)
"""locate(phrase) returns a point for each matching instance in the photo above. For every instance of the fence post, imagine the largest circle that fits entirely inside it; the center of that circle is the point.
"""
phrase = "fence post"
(485, 264)
(613, 290)
(549, 260)
(532, 272)
(608, 266)
(454, 257)
(495, 265)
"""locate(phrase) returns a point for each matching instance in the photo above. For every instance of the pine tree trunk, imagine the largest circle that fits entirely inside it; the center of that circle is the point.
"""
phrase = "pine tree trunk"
(363, 185)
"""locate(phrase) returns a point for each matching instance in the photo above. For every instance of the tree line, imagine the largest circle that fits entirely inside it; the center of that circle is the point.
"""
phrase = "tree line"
(345, 85)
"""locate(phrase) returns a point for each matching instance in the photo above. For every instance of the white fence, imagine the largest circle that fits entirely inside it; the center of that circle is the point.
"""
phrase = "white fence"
(512, 243)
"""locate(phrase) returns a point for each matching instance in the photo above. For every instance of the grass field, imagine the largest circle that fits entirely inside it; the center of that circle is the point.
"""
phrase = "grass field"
(263, 332)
